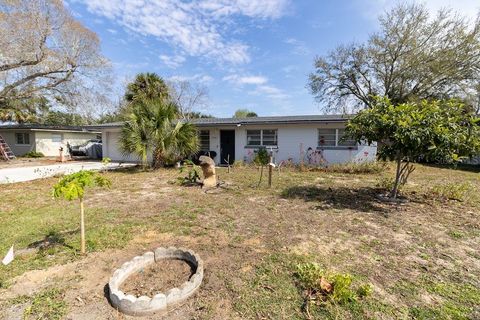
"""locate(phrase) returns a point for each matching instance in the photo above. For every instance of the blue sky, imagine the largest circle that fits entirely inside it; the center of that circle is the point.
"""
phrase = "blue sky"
(253, 54)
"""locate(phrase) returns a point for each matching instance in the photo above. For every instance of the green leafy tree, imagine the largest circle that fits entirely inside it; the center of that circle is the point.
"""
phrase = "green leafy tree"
(153, 127)
(60, 118)
(244, 113)
(413, 56)
(115, 116)
(197, 115)
(23, 110)
(73, 186)
(434, 130)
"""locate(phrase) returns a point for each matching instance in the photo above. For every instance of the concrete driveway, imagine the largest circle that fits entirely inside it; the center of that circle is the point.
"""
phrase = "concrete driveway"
(19, 174)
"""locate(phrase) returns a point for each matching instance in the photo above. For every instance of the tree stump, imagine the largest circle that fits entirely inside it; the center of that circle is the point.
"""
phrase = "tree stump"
(208, 167)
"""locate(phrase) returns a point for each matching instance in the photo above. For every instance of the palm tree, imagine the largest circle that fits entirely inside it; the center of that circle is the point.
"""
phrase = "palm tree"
(147, 86)
(153, 128)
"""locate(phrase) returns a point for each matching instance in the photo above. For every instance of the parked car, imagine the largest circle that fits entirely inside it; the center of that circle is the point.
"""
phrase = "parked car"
(92, 149)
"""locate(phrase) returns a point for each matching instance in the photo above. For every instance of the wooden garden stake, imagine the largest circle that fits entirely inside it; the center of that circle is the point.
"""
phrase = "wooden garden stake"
(270, 169)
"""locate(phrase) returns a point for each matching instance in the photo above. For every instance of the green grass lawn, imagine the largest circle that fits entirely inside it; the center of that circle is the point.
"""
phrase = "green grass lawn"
(422, 257)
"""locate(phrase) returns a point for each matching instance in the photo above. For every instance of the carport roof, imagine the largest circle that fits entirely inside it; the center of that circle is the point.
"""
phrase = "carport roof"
(211, 122)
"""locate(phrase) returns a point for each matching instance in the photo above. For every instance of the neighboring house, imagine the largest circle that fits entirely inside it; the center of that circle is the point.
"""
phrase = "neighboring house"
(24, 138)
(315, 139)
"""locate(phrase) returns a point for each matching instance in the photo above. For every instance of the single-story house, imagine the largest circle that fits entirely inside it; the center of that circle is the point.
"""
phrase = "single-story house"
(23, 138)
(313, 139)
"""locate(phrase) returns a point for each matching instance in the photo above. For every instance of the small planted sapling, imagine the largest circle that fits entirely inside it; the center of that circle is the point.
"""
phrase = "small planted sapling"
(73, 186)
(192, 177)
(261, 159)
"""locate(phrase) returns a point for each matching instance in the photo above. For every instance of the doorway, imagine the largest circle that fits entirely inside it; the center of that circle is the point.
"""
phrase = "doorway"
(227, 146)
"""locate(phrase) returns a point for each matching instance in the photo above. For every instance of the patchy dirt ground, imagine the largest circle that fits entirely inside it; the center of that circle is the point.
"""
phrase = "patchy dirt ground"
(421, 257)
(158, 277)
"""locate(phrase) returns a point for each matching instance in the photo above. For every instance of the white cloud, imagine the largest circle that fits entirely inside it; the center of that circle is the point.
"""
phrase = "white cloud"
(271, 92)
(238, 80)
(257, 85)
(112, 31)
(289, 69)
(373, 8)
(200, 78)
(299, 47)
(195, 27)
(251, 8)
(172, 61)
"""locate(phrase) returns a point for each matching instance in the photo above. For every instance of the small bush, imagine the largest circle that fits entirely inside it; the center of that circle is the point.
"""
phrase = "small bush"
(262, 157)
(192, 176)
(386, 183)
(453, 191)
(33, 154)
(323, 286)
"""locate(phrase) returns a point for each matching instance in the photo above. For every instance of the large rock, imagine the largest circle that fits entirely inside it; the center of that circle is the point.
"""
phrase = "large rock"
(208, 167)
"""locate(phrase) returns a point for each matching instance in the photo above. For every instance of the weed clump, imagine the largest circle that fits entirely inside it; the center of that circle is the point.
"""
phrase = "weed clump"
(385, 183)
(33, 154)
(321, 287)
(192, 178)
(453, 191)
(48, 304)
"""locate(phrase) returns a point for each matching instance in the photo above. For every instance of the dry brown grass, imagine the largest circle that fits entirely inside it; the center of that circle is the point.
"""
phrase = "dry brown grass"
(421, 257)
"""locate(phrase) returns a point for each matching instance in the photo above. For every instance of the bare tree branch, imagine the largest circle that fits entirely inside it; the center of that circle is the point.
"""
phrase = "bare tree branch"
(414, 56)
(46, 53)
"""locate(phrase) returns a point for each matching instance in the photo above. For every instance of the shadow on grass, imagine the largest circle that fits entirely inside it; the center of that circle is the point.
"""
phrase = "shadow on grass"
(363, 199)
(133, 169)
(51, 240)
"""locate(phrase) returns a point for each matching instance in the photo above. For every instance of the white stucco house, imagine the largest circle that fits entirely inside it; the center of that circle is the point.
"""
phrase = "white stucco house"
(313, 139)
(23, 138)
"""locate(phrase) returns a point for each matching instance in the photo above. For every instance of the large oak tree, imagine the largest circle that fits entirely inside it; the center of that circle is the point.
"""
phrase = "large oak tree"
(415, 55)
(44, 54)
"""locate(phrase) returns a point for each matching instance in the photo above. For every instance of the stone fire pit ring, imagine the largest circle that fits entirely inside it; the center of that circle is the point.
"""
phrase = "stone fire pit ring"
(144, 305)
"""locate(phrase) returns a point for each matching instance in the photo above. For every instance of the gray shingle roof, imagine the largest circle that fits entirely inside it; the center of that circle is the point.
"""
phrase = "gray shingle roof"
(210, 122)
(27, 126)
(271, 120)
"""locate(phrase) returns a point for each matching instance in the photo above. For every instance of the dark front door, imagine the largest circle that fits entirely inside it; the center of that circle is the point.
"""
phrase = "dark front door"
(227, 146)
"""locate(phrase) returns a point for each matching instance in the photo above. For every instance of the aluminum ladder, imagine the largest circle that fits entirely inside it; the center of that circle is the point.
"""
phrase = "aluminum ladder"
(5, 151)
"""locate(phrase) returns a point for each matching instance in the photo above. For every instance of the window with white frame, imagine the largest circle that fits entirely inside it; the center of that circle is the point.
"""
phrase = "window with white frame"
(327, 137)
(204, 140)
(334, 138)
(22, 138)
(262, 137)
(344, 141)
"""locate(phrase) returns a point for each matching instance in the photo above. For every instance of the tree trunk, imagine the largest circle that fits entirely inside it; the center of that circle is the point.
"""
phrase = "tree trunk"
(158, 159)
(394, 191)
(261, 175)
(82, 227)
(144, 161)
